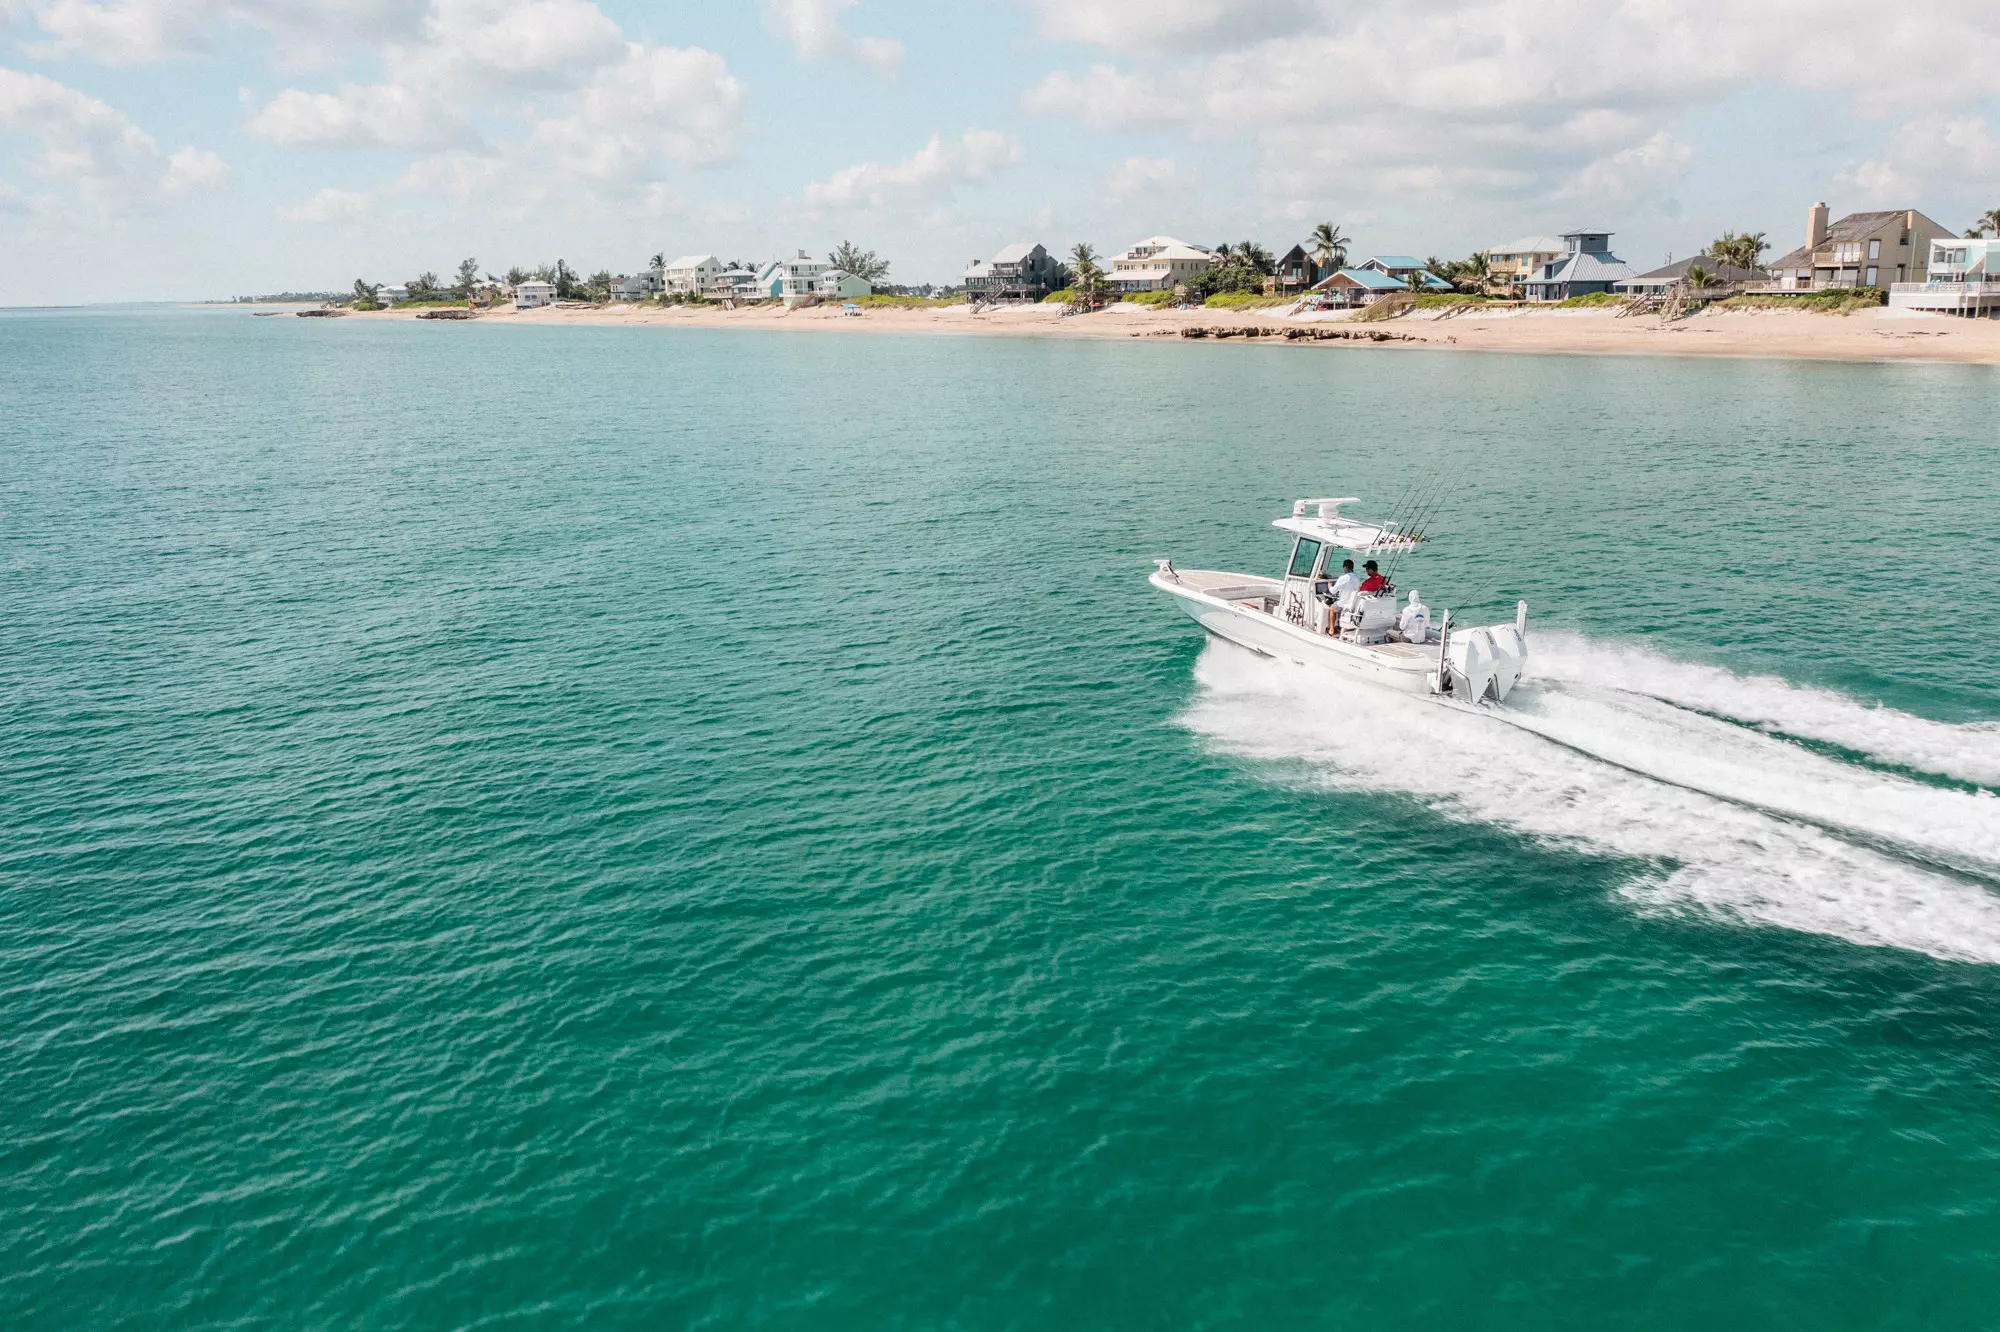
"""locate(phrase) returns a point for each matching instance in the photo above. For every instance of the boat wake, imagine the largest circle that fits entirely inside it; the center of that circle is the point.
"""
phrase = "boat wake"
(1694, 769)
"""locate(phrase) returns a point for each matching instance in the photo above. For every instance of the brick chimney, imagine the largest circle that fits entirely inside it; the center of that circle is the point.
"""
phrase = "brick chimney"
(1816, 226)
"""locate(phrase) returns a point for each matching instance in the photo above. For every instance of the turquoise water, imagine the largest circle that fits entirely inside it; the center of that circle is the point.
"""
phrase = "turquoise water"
(633, 828)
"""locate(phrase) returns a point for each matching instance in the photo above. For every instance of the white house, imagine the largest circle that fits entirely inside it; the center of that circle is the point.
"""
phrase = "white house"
(690, 273)
(737, 284)
(642, 286)
(1158, 263)
(837, 284)
(792, 280)
(531, 295)
(1962, 278)
(389, 295)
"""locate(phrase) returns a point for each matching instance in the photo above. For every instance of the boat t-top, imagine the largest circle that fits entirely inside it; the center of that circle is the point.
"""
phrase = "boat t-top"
(1307, 616)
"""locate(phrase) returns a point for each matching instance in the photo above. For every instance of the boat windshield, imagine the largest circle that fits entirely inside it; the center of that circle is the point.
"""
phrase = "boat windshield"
(1303, 556)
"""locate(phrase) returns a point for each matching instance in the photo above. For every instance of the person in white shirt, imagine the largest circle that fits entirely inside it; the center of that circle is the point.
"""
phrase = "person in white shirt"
(1343, 590)
(1415, 622)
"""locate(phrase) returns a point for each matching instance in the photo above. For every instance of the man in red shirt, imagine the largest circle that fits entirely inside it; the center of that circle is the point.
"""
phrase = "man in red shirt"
(1374, 584)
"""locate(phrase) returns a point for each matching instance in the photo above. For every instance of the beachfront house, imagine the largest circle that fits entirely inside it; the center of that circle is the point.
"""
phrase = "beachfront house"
(1587, 268)
(837, 284)
(531, 295)
(733, 284)
(1860, 250)
(689, 274)
(392, 293)
(1962, 277)
(1019, 272)
(1296, 270)
(1347, 288)
(1403, 267)
(636, 287)
(1513, 262)
(790, 280)
(1718, 273)
(1158, 263)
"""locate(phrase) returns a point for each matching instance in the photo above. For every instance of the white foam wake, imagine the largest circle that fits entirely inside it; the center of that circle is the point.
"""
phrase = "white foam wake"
(1685, 792)
(1969, 752)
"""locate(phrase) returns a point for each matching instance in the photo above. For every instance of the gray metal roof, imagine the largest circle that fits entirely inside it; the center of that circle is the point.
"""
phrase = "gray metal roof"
(1014, 254)
(1586, 267)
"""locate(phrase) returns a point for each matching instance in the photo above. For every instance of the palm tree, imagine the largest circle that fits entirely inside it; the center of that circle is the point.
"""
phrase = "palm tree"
(1088, 279)
(659, 262)
(1256, 258)
(1329, 246)
(1988, 219)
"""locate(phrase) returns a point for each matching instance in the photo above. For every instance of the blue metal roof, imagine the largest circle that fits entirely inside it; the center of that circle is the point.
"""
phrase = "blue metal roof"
(1397, 261)
(1374, 279)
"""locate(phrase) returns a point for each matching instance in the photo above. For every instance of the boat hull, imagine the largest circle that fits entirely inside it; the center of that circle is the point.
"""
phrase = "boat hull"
(1406, 668)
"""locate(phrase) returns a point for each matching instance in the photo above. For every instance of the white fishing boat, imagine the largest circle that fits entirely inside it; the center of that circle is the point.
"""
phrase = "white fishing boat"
(1366, 635)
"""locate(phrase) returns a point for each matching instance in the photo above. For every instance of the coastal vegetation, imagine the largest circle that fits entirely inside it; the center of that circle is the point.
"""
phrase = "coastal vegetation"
(1246, 300)
(1840, 301)
(864, 264)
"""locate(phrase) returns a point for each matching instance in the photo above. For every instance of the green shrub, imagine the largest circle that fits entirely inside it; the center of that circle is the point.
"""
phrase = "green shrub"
(1155, 299)
(1245, 300)
(1438, 300)
(882, 300)
(1842, 301)
(442, 302)
(1593, 301)
(1063, 297)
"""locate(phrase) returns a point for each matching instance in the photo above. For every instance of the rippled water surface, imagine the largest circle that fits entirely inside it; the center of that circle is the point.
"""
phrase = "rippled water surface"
(642, 828)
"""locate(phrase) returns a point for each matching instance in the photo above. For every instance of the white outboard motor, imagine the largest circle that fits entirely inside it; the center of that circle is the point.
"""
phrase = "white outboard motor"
(1487, 662)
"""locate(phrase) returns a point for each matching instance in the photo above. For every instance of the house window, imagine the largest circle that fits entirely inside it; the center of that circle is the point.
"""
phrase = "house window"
(1873, 273)
(1875, 249)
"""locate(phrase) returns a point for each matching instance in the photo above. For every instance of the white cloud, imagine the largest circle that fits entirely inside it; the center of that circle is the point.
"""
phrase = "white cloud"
(1464, 98)
(1137, 174)
(1644, 170)
(463, 177)
(1171, 25)
(932, 171)
(660, 101)
(1929, 155)
(813, 29)
(380, 115)
(327, 207)
(192, 170)
(92, 151)
(1105, 98)
(493, 45)
(133, 32)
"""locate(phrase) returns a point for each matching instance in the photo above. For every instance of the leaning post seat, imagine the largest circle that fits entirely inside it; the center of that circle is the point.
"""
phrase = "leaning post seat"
(1372, 618)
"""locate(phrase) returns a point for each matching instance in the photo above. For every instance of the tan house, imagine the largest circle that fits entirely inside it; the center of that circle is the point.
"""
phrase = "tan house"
(1860, 250)
(1510, 264)
(1158, 263)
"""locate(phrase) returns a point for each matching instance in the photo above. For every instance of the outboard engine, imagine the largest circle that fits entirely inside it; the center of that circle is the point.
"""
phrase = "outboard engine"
(1487, 662)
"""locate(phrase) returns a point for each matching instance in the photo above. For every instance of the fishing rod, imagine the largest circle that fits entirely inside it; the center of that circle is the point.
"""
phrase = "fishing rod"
(1419, 497)
(1421, 530)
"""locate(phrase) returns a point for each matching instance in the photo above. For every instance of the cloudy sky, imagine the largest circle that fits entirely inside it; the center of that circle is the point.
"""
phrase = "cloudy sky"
(166, 149)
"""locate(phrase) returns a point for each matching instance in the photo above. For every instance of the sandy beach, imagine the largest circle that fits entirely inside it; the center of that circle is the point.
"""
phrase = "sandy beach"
(1869, 335)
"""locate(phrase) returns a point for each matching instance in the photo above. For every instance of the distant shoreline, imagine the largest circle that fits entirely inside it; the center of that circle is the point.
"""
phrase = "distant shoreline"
(1865, 336)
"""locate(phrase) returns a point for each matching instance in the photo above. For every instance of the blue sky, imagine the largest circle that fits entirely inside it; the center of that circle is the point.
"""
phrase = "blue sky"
(166, 149)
